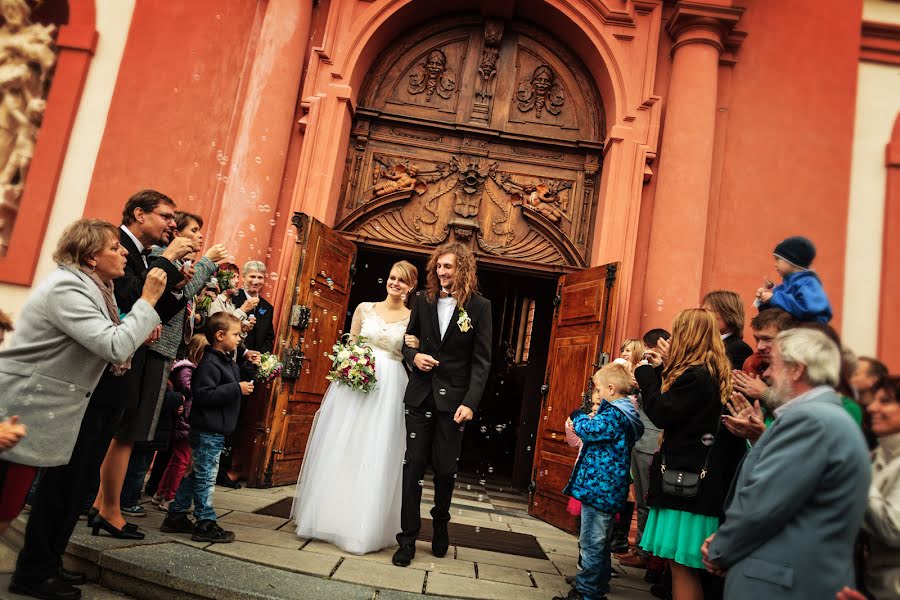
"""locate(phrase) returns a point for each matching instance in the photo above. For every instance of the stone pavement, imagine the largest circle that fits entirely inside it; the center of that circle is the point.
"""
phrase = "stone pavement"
(269, 561)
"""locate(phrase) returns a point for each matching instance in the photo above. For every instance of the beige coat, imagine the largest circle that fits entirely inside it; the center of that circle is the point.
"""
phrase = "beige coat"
(882, 521)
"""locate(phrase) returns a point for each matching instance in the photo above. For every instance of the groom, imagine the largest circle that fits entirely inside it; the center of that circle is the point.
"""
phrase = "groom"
(450, 368)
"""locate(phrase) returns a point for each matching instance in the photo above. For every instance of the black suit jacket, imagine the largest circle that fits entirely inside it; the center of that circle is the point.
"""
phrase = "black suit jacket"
(465, 357)
(737, 350)
(128, 288)
(262, 336)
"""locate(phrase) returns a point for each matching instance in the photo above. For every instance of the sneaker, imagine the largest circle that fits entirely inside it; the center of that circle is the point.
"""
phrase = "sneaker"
(156, 499)
(134, 511)
(209, 531)
(177, 523)
(163, 505)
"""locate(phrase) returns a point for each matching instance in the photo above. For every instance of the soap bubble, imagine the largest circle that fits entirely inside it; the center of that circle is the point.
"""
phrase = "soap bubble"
(258, 160)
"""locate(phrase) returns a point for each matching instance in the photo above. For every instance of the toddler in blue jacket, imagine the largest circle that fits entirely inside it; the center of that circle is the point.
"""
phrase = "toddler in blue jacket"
(601, 477)
(800, 292)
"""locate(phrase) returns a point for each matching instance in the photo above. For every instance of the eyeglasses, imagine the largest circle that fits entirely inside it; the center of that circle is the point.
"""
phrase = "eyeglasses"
(165, 216)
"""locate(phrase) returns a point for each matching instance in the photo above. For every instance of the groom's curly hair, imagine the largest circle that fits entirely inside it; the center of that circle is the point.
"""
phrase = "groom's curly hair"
(466, 282)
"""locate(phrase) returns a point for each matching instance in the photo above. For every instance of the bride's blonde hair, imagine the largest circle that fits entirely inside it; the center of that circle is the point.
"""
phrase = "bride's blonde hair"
(409, 275)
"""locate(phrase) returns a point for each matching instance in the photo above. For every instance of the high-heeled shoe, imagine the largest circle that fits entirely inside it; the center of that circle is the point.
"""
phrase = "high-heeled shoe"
(92, 514)
(126, 533)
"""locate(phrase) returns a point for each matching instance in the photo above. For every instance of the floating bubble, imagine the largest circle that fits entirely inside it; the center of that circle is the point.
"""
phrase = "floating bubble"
(483, 429)
(380, 280)
(196, 163)
(482, 482)
(412, 435)
(240, 234)
(428, 414)
(421, 482)
(442, 392)
(528, 448)
(51, 415)
(72, 387)
(258, 160)
(252, 227)
(274, 276)
(39, 388)
(490, 469)
(272, 223)
(333, 318)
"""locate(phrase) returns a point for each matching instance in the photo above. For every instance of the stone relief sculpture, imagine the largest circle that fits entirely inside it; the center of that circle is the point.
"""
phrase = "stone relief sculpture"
(27, 58)
(539, 92)
(432, 76)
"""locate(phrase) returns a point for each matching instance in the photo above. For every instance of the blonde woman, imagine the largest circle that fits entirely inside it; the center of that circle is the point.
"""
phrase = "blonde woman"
(685, 397)
(348, 493)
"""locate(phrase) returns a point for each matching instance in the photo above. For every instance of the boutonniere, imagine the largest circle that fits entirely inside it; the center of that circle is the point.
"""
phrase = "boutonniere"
(464, 322)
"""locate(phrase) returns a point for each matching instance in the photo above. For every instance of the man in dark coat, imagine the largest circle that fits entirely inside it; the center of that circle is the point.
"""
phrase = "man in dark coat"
(449, 371)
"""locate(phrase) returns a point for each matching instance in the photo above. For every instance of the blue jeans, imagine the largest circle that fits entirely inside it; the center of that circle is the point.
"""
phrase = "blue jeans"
(596, 531)
(134, 477)
(198, 486)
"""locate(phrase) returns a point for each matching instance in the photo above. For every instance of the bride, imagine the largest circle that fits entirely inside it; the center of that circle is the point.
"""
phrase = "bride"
(349, 488)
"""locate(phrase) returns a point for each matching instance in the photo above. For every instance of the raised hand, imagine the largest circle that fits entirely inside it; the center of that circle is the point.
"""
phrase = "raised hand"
(179, 248)
(749, 385)
(218, 254)
(154, 285)
(188, 274)
(848, 594)
(249, 304)
(662, 347)
(746, 420)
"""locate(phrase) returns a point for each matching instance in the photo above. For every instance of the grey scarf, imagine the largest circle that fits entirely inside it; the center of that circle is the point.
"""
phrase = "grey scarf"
(106, 289)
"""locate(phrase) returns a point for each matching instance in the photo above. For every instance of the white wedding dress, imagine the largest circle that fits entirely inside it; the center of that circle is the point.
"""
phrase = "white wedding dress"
(349, 488)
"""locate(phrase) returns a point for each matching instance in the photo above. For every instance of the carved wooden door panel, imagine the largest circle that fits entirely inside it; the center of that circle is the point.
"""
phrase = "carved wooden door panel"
(580, 340)
(486, 132)
(322, 270)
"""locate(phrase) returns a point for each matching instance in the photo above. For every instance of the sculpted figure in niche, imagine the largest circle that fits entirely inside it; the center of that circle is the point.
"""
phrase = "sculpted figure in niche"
(432, 76)
(540, 92)
(399, 178)
(544, 198)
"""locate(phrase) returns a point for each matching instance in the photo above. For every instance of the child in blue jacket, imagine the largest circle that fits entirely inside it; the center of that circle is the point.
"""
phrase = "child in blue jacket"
(800, 292)
(601, 477)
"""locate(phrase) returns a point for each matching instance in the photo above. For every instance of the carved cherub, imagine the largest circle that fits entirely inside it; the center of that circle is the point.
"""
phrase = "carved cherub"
(539, 92)
(399, 178)
(432, 76)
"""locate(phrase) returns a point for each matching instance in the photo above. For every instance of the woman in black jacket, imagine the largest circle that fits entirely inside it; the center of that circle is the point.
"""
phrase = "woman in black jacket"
(685, 398)
(729, 313)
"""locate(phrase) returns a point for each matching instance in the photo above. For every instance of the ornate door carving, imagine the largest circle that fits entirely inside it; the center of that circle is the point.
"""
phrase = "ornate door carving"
(484, 131)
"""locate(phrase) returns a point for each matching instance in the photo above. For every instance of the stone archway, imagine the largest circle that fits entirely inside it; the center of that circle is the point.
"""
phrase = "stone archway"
(481, 130)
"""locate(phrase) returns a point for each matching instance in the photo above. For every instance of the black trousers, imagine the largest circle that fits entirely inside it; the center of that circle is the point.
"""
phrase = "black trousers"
(60, 496)
(432, 439)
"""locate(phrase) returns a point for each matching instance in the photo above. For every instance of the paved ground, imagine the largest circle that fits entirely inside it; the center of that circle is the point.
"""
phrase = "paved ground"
(277, 555)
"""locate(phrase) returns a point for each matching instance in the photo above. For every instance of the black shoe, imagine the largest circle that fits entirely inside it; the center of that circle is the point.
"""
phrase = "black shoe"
(126, 533)
(91, 515)
(653, 576)
(177, 523)
(574, 595)
(209, 531)
(404, 555)
(72, 577)
(440, 539)
(226, 481)
(53, 588)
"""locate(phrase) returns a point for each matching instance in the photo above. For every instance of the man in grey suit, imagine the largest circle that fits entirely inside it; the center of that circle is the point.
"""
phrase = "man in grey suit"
(798, 500)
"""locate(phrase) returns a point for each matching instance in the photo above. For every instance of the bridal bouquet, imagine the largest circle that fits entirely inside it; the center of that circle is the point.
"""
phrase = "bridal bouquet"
(269, 367)
(354, 365)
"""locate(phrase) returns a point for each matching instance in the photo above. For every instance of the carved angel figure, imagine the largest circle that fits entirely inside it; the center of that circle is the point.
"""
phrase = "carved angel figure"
(432, 76)
(539, 92)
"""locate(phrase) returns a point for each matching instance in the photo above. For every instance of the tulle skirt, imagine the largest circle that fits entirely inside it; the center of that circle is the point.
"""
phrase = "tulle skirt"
(350, 484)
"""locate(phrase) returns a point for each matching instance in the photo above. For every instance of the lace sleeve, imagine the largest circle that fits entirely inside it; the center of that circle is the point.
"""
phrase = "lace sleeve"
(356, 323)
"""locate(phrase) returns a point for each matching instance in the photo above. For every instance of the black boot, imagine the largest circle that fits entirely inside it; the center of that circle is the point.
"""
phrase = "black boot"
(404, 555)
(440, 538)
(52, 588)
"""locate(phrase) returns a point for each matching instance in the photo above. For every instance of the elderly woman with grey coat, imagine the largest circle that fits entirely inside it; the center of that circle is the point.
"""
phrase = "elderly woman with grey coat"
(69, 333)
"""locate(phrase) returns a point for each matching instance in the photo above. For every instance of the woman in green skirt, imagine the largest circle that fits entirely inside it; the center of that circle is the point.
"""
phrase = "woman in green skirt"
(684, 394)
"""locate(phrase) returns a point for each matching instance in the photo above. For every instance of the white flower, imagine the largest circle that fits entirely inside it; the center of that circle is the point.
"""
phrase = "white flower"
(464, 322)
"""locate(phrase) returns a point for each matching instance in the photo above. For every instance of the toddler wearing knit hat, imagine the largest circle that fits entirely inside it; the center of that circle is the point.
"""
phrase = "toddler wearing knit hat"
(800, 292)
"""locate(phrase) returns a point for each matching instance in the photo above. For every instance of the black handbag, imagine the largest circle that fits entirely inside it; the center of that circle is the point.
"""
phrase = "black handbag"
(685, 484)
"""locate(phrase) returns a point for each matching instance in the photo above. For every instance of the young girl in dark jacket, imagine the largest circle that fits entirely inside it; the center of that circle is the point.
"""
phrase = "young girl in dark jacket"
(181, 449)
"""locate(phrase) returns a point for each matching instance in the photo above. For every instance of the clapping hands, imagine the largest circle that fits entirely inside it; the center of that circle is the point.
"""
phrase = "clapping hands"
(746, 420)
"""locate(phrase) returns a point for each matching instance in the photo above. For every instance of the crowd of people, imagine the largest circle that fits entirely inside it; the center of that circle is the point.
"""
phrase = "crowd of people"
(772, 472)
(137, 337)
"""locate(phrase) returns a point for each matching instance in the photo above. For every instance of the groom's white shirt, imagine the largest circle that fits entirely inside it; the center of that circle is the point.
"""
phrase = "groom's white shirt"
(445, 308)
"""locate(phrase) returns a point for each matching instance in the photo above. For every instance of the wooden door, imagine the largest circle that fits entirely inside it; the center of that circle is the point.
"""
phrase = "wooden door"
(580, 342)
(322, 272)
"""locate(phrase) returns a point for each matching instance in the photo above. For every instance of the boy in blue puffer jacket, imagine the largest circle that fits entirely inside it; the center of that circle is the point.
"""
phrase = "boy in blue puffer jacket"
(800, 292)
(601, 477)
